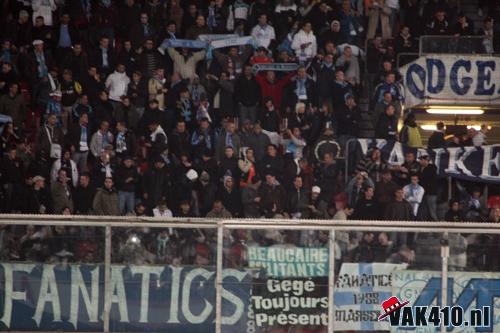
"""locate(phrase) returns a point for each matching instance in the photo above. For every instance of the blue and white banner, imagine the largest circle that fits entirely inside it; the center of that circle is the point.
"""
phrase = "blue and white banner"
(478, 164)
(238, 41)
(466, 289)
(184, 43)
(359, 291)
(42, 297)
(444, 79)
(277, 67)
(210, 38)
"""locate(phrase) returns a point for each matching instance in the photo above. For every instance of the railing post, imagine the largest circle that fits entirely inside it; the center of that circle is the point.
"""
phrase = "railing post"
(107, 278)
(445, 254)
(331, 280)
(346, 156)
(218, 278)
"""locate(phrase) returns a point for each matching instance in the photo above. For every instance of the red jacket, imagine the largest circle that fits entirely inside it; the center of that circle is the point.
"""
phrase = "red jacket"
(275, 89)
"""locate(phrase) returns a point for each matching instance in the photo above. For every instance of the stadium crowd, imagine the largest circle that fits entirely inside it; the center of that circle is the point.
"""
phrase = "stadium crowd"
(120, 108)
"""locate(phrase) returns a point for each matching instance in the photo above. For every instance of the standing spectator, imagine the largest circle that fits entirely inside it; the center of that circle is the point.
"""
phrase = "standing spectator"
(437, 139)
(230, 196)
(272, 194)
(410, 134)
(100, 139)
(78, 139)
(399, 209)
(104, 56)
(356, 186)
(12, 173)
(70, 90)
(117, 84)
(247, 167)
(84, 195)
(206, 191)
(298, 200)
(271, 87)
(127, 179)
(350, 65)
(387, 124)
(106, 200)
(44, 8)
(62, 196)
(479, 138)
(388, 85)
(49, 140)
(378, 11)
(304, 43)
(429, 182)
(247, 95)
(414, 194)
(156, 183)
(367, 208)
(263, 33)
(37, 200)
(141, 31)
(12, 104)
(250, 198)
(67, 164)
(185, 61)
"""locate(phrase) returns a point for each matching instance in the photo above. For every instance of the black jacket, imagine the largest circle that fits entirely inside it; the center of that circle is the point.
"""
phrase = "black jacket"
(428, 179)
(436, 140)
(348, 121)
(83, 198)
(387, 127)
(123, 174)
(247, 91)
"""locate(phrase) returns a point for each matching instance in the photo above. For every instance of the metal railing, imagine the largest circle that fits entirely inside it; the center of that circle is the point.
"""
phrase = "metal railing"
(111, 224)
(453, 45)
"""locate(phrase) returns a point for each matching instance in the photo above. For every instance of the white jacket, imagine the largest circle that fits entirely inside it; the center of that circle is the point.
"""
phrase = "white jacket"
(43, 8)
(56, 166)
(302, 38)
(263, 36)
(117, 84)
(414, 197)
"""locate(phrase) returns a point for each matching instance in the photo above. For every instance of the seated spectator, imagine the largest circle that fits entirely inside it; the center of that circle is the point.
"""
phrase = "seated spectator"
(161, 210)
(219, 211)
(454, 213)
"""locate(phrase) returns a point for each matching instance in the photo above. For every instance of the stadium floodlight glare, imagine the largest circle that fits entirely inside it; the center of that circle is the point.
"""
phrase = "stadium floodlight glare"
(454, 110)
(432, 127)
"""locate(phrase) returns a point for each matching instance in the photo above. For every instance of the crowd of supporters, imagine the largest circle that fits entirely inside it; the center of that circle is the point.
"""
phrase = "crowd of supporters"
(102, 116)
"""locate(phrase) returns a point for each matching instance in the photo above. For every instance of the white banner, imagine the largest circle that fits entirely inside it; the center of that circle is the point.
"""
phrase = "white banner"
(359, 291)
(452, 80)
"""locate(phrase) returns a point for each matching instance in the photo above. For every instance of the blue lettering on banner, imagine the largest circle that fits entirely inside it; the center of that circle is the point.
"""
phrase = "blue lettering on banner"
(484, 70)
(143, 298)
(463, 88)
(451, 80)
(411, 85)
(441, 72)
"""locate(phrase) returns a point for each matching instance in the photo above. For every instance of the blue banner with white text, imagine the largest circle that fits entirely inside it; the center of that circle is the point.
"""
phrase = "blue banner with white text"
(43, 297)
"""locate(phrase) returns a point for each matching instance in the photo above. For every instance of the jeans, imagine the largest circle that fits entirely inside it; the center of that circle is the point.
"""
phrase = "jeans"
(431, 203)
(80, 158)
(126, 201)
